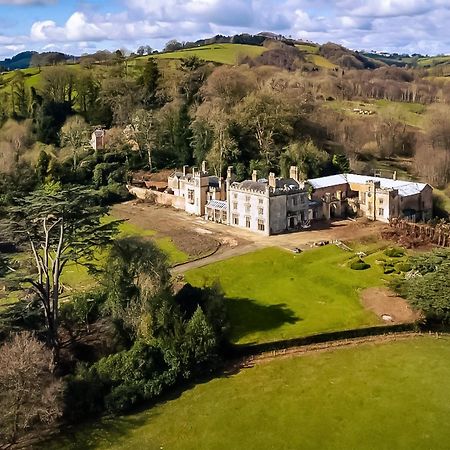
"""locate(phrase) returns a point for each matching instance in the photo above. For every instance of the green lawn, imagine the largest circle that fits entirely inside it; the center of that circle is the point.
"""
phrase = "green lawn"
(375, 396)
(274, 294)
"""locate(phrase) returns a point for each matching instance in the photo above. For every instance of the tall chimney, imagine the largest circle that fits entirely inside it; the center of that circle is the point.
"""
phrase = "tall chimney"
(394, 176)
(204, 166)
(185, 170)
(293, 173)
(255, 175)
(272, 180)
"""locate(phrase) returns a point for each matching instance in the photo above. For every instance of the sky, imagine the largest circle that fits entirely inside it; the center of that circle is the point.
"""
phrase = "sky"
(84, 26)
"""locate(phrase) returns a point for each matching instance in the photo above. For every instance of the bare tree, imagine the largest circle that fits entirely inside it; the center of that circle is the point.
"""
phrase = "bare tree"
(144, 133)
(29, 393)
(75, 135)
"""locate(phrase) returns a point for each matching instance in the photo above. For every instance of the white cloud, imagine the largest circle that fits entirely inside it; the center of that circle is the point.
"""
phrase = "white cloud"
(393, 25)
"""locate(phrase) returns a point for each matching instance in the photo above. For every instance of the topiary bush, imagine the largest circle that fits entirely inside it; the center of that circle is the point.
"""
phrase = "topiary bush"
(403, 267)
(388, 268)
(394, 252)
(359, 265)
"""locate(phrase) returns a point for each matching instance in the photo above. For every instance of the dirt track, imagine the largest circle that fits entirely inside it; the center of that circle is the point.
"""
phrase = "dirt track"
(198, 237)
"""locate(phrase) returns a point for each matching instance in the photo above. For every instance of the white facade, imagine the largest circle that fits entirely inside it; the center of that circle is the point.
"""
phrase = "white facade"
(272, 206)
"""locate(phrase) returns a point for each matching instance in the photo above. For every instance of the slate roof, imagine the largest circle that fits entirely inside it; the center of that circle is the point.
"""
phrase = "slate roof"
(188, 176)
(259, 186)
(405, 188)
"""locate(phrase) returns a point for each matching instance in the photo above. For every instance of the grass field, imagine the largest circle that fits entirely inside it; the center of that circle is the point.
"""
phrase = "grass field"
(308, 48)
(375, 396)
(320, 61)
(218, 53)
(274, 294)
(409, 113)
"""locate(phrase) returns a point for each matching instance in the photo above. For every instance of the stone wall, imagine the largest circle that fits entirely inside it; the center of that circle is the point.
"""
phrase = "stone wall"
(161, 198)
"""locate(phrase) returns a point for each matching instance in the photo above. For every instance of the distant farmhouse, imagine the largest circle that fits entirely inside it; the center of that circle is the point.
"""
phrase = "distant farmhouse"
(277, 205)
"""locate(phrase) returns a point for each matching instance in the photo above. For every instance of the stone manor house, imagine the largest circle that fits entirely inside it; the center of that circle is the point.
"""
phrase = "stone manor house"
(277, 205)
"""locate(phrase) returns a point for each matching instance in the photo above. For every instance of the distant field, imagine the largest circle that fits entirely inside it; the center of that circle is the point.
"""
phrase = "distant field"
(273, 294)
(320, 61)
(433, 61)
(308, 48)
(375, 396)
(218, 53)
(410, 113)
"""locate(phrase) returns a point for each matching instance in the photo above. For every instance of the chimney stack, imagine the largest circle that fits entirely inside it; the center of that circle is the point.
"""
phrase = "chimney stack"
(255, 175)
(204, 166)
(193, 171)
(293, 173)
(394, 176)
(272, 180)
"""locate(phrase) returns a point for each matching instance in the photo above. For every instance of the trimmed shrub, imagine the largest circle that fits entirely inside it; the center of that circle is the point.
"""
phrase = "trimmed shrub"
(403, 267)
(394, 252)
(359, 265)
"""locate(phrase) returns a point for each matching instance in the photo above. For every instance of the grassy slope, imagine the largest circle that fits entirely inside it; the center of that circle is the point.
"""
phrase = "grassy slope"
(274, 294)
(219, 53)
(383, 396)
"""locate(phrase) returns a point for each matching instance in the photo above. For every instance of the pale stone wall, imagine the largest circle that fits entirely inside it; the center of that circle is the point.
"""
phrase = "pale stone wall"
(161, 198)
(248, 207)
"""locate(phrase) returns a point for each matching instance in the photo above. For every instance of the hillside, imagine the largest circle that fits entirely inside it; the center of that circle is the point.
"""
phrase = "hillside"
(19, 61)
(217, 53)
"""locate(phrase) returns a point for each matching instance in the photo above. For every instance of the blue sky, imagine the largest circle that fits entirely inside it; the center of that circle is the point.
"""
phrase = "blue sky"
(79, 26)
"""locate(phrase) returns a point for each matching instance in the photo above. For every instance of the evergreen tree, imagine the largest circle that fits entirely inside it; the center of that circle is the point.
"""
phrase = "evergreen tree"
(150, 80)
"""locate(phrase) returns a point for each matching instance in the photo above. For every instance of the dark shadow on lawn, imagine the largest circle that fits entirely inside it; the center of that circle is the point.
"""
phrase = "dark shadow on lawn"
(248, 316)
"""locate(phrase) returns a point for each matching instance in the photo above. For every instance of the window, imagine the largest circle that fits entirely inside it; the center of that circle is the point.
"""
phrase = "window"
(247, 198)
(363, 198)
(261, 201)
(235, 219)
(380, 201)
(235, 205)
(247, 208)
(295, 201)
(235, 196)
(191, 194)
(247, 222)
(380, 211)
(260, 211)
(261, 225)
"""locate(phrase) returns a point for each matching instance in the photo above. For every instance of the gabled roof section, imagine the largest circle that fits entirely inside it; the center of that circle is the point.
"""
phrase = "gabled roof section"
(217, 204)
